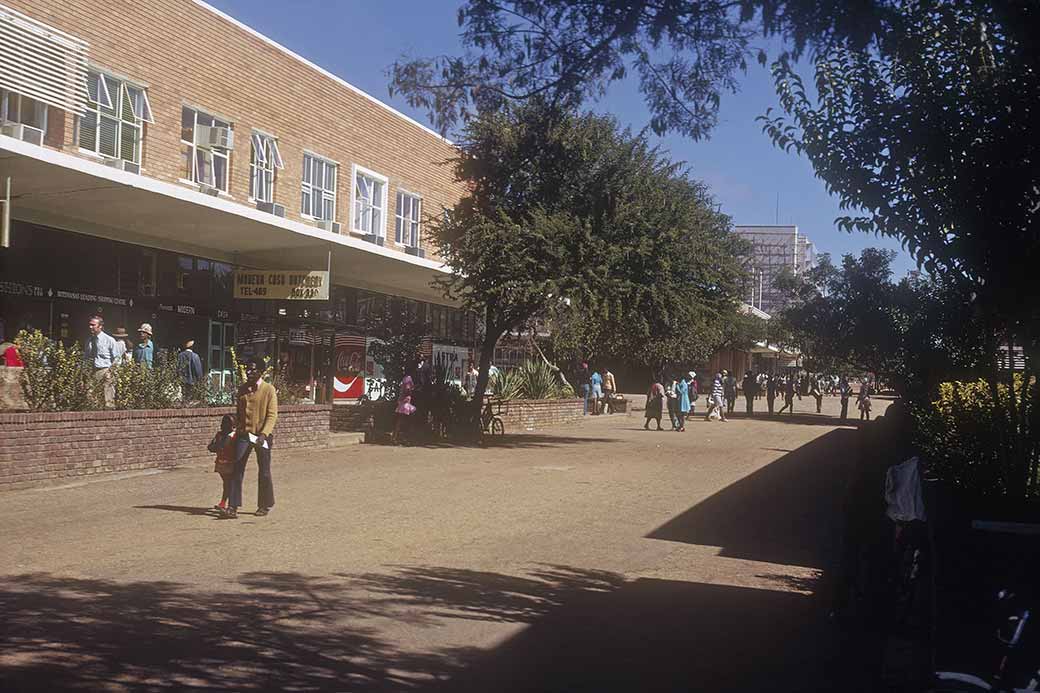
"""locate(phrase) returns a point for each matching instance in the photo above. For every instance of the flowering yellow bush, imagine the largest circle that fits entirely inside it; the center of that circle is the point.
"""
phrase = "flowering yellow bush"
(967, 434)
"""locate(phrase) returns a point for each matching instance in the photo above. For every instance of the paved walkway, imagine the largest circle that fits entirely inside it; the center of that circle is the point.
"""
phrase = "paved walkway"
(597, 557)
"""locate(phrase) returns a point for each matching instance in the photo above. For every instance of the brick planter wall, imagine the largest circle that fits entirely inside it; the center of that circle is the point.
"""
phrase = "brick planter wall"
(37, 447)
(522, 414)
(517, 415)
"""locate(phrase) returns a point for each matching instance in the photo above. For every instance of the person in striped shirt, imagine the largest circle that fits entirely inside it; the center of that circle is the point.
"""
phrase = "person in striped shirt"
(716, 403)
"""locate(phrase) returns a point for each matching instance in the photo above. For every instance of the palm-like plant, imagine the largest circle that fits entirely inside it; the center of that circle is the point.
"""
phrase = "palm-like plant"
(539, 380)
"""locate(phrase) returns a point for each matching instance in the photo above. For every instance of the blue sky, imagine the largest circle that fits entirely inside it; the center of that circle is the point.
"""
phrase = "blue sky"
(359, 40)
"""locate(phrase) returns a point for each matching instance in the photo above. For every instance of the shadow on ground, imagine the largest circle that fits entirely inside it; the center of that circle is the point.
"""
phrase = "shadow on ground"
(584, 630)
(511, 441)
(783, 513)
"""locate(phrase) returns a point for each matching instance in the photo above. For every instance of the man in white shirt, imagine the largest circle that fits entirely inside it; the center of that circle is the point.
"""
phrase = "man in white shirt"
(101, 353)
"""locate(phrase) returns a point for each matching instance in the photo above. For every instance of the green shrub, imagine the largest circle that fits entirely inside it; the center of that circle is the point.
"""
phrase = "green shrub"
(55, 377)
(538, 380)
(140, 386)
(963, 431)
(507, 384)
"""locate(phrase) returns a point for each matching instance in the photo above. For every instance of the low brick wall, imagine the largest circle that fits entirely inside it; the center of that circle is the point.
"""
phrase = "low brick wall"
(37, 447)
(517, 414)
(533, 414)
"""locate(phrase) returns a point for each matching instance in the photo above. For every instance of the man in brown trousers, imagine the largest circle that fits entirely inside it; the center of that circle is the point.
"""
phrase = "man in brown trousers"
(257, 415)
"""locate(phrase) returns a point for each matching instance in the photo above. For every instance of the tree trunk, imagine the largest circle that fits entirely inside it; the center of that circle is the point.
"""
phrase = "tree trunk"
(556, 369)
(487, 352)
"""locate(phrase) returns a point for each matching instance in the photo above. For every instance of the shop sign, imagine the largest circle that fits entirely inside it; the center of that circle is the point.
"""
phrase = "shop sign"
(19, 289)
(291, 285)
(89, 298)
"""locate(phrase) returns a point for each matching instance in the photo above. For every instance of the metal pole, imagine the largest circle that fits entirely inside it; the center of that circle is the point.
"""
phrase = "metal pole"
(5, 219)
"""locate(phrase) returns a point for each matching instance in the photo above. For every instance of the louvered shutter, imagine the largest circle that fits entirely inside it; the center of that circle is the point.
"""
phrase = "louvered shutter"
(41, 62)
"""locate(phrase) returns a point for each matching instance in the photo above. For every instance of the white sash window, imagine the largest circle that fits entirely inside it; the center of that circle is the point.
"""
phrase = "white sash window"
(369, 202)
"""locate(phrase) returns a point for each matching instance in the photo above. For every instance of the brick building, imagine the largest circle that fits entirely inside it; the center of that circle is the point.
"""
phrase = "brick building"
(154, 148)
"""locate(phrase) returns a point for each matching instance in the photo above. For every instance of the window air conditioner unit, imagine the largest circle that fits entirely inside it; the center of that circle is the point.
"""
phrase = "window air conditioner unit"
(124, 165)
(328, 225)
(213, 136)
(373, 238)
(25, 133)
(209, 189)
(415, 250)
(271, 208)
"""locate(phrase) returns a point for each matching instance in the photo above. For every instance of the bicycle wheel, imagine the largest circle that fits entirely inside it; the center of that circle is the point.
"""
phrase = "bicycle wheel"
(497, 427)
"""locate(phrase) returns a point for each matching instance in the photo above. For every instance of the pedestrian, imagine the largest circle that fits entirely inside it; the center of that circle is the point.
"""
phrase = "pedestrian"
(863, 400)
(717, 401)
(586, 386)
(471, 384)
(609, 388)
(672, 398)
(729, 390)
(257, 414)
(144, 352)
(691, 383)
(790, 386)
(844, 391)
(404, 409)
(816, 392)
(654, 401)
(126, 349)
(101, 354)
(750, 387)
(682, 389)
(596, 381)
(771, 390)
(189, 368)
(223, 444)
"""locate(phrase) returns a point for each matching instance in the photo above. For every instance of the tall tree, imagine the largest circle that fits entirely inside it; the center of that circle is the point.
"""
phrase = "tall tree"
(568, 213)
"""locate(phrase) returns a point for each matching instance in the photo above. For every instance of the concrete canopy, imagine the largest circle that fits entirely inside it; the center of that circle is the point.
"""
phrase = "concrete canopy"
(83, 196)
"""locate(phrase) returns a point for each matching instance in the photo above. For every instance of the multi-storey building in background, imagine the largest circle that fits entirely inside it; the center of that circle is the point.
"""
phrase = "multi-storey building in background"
(154, 148)
(774, 249)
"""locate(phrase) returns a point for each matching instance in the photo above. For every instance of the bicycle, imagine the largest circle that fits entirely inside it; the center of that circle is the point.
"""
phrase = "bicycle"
(491, 418)
(1009, 634)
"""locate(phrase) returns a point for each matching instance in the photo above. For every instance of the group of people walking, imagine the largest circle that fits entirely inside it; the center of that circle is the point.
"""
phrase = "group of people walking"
(678, 395)
(105, 351)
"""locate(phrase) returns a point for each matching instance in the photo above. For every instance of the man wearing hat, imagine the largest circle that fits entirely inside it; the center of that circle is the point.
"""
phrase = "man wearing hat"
(144, 352)
(189, 366)
(125, 350)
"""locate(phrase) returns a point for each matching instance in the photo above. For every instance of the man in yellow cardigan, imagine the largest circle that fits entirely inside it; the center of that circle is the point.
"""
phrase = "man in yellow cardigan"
(257, 415)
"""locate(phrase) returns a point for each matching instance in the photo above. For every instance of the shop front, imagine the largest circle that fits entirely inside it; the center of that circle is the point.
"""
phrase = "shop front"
(55, 280)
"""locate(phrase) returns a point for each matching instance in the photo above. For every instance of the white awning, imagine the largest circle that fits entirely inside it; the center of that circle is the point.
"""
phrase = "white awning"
(42, 62)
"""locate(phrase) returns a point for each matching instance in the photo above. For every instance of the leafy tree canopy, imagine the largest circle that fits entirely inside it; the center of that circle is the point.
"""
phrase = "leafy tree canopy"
(686, 54)
(928, 135)
(569, 216)
(912, 333)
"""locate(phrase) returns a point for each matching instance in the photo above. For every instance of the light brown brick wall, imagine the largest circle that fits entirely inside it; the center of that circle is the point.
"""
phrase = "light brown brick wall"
(255, 85)
(38, 448)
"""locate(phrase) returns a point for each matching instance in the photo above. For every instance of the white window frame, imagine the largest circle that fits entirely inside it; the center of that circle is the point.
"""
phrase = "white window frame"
(264, 159)
(209, 155)
(408, 227)
(103, 97)
(355, 201)
(307, 187)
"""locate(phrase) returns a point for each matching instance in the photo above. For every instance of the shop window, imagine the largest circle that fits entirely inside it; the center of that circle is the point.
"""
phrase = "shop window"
(318, 189)
(206, 143)
(369, 202)
(223, 280)
(112, 124)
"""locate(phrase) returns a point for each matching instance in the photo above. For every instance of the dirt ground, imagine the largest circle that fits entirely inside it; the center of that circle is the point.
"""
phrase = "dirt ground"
(595, 557)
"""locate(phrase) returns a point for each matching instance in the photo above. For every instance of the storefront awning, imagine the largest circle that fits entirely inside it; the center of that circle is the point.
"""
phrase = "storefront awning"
(55, 189)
